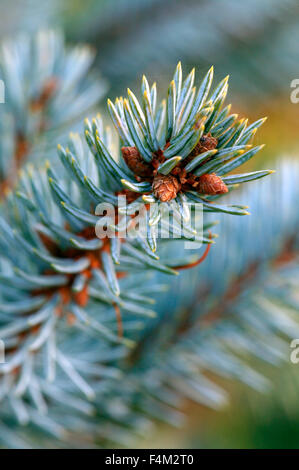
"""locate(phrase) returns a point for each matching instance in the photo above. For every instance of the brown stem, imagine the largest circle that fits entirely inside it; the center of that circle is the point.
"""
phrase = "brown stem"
(119, 321)
(197, 262)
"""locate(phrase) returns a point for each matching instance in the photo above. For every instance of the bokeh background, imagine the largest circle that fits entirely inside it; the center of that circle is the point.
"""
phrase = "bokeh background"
(257, 43)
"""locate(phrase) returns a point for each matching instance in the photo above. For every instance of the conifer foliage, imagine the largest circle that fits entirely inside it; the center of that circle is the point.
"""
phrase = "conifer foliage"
(84, 349)
(48, 86)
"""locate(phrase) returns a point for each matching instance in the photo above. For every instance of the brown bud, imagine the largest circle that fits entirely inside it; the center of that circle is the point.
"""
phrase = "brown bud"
(131, 196)
(211, 184)
(81, 298)
(165, 187)
(135, 162)
(206, 142)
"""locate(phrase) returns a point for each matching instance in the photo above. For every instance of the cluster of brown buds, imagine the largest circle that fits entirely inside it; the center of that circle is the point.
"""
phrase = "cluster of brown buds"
(166, 187)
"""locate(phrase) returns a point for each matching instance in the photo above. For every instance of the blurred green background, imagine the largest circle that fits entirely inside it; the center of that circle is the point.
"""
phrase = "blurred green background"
(256, 42)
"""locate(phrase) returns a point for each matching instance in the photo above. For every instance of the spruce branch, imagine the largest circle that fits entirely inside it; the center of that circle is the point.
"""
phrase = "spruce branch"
(48, 86)
(180, 150)
(173, 357)
(69, 368)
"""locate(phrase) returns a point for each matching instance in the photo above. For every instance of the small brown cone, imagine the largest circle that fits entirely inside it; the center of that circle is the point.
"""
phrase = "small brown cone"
(211, 184)
(135, 162)
(165, 187)
(206, 143)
